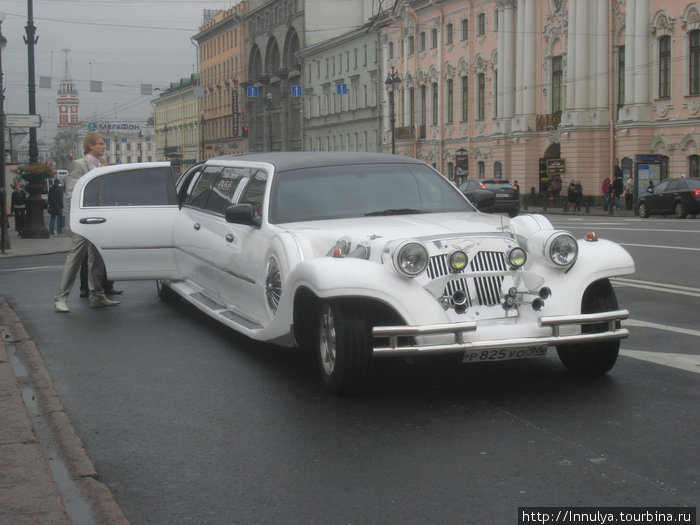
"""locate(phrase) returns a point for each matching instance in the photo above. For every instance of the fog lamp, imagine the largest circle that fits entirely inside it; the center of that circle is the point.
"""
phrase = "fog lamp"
(458, 261)
(517, 257)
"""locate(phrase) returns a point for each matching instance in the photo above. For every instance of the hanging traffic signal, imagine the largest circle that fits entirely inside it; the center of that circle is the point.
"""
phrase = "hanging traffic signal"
(245, 132)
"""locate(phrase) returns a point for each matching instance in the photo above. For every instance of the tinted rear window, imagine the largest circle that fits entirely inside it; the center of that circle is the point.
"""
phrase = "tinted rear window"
(137, 187)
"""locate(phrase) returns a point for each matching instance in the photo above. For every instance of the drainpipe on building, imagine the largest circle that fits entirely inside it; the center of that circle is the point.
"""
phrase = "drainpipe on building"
(416, 127)
(441, 99)
(611, 100)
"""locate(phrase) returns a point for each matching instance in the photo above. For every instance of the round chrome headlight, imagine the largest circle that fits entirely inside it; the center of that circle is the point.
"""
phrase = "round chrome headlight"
(562, 249)
(411, 259)
(517, 257)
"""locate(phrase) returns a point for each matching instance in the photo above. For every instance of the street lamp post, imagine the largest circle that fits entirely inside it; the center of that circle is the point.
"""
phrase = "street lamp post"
(392, 81)
(4, 240)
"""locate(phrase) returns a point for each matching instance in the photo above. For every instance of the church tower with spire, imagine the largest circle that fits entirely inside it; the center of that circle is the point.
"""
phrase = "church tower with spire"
(67, 100)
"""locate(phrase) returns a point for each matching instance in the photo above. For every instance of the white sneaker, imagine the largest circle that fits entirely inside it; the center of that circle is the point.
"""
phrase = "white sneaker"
(103, 301)
(61, 306)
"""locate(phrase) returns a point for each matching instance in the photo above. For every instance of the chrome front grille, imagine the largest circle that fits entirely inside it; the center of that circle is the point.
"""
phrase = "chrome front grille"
(438, 266)
(488, 289)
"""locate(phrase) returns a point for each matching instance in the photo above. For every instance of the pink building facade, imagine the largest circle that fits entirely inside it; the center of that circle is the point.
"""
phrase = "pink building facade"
(527, 89)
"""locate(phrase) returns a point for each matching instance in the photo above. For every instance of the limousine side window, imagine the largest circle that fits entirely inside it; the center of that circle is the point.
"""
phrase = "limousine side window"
(138, 187)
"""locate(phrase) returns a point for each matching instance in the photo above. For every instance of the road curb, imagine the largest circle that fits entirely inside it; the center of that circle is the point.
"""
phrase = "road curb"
(78, 463)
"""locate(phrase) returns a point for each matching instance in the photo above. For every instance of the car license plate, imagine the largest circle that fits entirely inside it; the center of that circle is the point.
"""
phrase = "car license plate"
(503, 354)
(502, 195)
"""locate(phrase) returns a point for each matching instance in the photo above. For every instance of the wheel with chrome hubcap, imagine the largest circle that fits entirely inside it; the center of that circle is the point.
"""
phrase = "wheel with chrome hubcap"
(344, 347)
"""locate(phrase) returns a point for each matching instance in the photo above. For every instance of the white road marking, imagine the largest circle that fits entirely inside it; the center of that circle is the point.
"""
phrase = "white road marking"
(690, 363)
(657, 287)
(30, 269)
(659, 246)
(659, 326)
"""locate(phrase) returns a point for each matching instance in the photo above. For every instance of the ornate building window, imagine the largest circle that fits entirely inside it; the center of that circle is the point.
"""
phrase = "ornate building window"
(465, 98)
(557, 84)
(694, 56)
(694, 166)
(481, 24)
(449, 34)
(435, 98)
(433, 38)
(450, 101)
(481, 94)
(465, 29)
(665, 67)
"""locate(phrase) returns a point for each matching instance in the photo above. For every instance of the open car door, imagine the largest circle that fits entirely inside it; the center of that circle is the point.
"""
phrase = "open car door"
(128, 211)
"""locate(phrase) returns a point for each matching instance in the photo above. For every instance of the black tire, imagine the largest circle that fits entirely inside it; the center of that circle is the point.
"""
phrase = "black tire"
(344, 347)
(643, 210)
(679, 211)
(165, 293)
(593, 358)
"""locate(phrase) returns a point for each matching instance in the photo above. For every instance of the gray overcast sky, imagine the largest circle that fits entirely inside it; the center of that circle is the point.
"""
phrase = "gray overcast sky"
(122, 43)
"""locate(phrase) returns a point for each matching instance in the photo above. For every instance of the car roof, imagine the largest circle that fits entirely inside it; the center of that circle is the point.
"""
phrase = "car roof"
(290, 160)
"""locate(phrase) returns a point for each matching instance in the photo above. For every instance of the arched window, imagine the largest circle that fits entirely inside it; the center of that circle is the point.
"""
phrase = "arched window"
(465, 98)
(497, 170)
(665, 67)
(450, 101)
(664, 167)
(694, 56)
(481, 167)
(434, 92)
(557, 84)
(481, 93)
(694, 166)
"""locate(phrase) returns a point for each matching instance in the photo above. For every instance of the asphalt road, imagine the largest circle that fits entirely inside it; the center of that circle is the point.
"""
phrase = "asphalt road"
(188, 422)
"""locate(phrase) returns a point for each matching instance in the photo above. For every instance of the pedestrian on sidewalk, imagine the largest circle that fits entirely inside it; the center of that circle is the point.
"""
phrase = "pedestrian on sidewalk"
(94, 148)
(629, 193)
(571, 194)
(605, 190)
(617, 189)
(578, 195)
(55, 207)
(18, 206)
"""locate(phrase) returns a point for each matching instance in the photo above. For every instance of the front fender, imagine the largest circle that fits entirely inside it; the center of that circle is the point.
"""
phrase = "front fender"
(329, 277)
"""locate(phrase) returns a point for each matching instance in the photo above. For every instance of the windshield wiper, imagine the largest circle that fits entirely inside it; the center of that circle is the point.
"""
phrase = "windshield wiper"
(396, 211)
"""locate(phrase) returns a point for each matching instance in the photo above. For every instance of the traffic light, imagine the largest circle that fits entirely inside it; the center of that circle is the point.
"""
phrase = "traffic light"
(245, 132)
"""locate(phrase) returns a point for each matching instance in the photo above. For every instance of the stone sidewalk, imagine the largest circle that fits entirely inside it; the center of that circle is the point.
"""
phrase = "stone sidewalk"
(29, 493)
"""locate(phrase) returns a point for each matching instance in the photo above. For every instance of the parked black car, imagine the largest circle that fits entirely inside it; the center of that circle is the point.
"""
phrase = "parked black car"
(507, 196)
(478, 195)
(680, 196)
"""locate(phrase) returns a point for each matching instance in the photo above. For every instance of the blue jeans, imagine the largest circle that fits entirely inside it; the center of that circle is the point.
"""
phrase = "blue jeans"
(55, 219)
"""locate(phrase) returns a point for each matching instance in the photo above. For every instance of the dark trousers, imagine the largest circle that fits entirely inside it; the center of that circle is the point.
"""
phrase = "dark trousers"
(20, 214)
(107, 285)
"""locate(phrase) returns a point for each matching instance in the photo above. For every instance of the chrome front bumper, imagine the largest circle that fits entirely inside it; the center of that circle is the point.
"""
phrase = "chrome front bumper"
(458, 330)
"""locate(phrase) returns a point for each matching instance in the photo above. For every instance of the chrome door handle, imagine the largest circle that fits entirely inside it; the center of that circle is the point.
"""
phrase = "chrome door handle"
(196, 226)
(92, 220)
(229, 237)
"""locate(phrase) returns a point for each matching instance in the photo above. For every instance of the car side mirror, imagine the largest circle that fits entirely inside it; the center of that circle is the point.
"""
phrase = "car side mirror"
(242, 214)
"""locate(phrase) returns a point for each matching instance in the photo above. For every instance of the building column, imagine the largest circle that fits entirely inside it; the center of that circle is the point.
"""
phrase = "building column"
(637, 62)
(529, 92)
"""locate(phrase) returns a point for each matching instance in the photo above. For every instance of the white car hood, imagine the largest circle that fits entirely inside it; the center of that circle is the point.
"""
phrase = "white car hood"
(322, 235)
